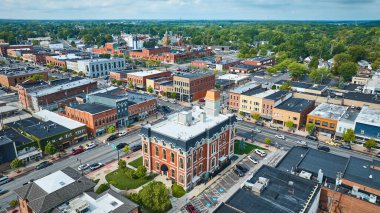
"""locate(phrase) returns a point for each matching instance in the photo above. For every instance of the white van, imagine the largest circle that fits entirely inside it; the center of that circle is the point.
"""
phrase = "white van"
(4, 179)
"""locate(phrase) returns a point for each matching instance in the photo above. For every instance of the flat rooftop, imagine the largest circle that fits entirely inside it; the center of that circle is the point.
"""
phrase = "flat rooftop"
(66, 86)
(369, 116)
(329, 111)
(173, 130)
(46, 129)
(354, 169)
(265, 93)
(20, 71)
(295, 104)
(136, 98)
(233, 77)
(145, 73)
(15, 136)
(350, 116)
(194, 75)
(245, 88)
(363, 97)
(47, 115)
(54, 181)
(277, 95)
(254, 92)
(276, 196)
(66, 57)
(91, 108)
(243, 66)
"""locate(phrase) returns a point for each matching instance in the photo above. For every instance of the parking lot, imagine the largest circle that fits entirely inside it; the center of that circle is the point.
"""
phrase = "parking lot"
(210, 197)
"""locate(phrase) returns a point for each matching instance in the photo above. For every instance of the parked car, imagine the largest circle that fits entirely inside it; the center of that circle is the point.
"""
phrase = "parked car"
(280, 137)
(96, 166)
(4, 179)
(302, 143)
(43, 164)
(90, 146)
(324, 148)
(239, 118)
(83, 166)
(273, 127)
(123, 133)
(312, 137)
(111, 138)
(345, 147)
(259, 123)
(173, 102)
(261, 153)
(238, 172)
(3, 191)
(190, 208)
(136, 147)
(77, 151)
(253, 159)
(256, 130)
(378, 155)
(120, 146)
(242, 168)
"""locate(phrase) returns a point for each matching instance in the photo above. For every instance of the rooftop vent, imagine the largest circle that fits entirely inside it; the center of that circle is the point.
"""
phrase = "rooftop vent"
(62, 183)
(114, 203)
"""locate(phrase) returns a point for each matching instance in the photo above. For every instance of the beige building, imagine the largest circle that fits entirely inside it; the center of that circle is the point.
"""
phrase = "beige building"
(252, 102)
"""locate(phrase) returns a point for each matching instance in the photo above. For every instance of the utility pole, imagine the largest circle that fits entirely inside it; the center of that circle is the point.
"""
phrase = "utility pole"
(80, 164)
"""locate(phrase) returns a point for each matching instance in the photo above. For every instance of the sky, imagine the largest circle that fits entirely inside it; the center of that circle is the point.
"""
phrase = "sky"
(192, 9)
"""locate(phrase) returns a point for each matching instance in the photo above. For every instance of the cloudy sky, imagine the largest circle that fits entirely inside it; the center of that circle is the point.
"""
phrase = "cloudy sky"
(192, 9)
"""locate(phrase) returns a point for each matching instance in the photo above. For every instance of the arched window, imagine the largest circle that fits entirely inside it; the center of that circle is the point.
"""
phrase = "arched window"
(164, 154)
(156, 150)
(172, 157)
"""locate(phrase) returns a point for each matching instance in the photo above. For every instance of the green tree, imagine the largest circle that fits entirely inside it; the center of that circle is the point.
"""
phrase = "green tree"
(286, 86)
(36, 77)
(340, 59)
(130, 85)
(173, 95)
(13, 203)
(376, 64)
(241, 113)
(256, 116)
(141, 171)
(155, 197)
(267, 141)
(49, 65)
(314, 63)
(289, 124)
(35, 42)
(50, 149)
(318, 75)
(347, 70)
(111, 129)
(164, 94)
(349, 136)
(80, 73)
(73, 44)
(178, 191)
(272, 70)
(126, 149)
(309, 127)
(113, 81)
(357, 52)
(217, 86)
(297, 70)
(150, 89)
(122, 164)
(215, 72)
(102, 188)
(119, 83)
(16, 163)
(370, 144)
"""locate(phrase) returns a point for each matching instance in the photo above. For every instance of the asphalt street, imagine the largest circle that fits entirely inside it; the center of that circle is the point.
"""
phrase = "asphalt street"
(244, 129)
(103, 153)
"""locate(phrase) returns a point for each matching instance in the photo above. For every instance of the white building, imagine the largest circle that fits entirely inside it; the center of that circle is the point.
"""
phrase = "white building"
(347, 121)
(133, 41)
(237, 79)
(100, 67)
(373, 85)
(57, 46)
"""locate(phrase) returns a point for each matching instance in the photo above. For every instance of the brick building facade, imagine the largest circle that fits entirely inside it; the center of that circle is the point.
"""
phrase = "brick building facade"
(189, 144)
(138, 79)
(109, 48)
(193, 86)
(11, 78)
(98, 118)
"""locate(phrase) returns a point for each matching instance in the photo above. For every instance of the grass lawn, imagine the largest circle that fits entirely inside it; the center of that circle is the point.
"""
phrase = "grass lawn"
(137, 162)
(248, 148)
(120, 180)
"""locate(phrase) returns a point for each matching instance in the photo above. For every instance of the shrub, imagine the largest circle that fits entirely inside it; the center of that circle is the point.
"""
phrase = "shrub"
(122, 164)
(102, 188)
(178, 190)
(130, 173)
(13, 203)
(141, 171)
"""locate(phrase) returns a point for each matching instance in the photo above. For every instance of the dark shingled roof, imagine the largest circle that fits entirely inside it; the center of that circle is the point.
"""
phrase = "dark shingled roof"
(91, 108)
(275, 197)
(295, 104)
(186, 145)
(40, 201)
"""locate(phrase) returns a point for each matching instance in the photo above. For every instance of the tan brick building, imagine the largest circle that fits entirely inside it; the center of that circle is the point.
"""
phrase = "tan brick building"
(193, 86)
(293, 109)
(138, 79)
(189, 144)
(325, 117)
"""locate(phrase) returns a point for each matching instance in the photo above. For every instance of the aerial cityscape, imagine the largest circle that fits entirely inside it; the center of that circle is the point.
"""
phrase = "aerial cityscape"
(189, 106)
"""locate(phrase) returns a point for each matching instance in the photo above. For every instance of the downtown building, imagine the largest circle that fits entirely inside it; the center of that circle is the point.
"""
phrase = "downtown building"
(190, 145)
(95, 68)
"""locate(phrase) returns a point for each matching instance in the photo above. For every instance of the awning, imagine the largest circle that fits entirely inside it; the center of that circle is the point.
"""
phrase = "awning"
(195, 179)
(222, 158)
(164, 168)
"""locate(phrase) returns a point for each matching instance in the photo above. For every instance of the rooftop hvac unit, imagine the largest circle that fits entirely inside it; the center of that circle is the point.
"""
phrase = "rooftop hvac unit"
(305, 175)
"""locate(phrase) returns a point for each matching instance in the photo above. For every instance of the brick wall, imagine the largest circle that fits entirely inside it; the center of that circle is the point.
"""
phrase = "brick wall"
(12, 81)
